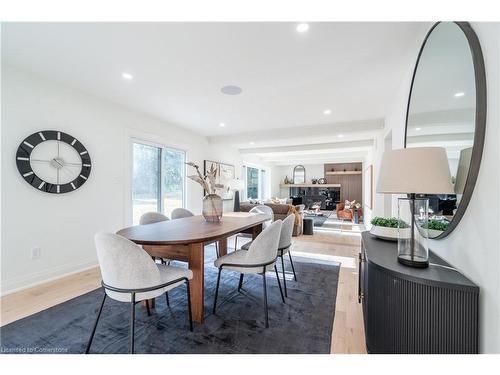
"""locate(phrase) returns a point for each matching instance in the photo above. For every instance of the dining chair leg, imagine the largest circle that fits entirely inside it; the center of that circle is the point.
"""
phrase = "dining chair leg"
(284, 276)
(279, 283)
(236, 243)
(265, 299)
(241, 282)
(216, 291)
(147, 307)
(87, 350)
(189, 306)
(291, 262)
(132, 322)
(217, 249)
(168, 299)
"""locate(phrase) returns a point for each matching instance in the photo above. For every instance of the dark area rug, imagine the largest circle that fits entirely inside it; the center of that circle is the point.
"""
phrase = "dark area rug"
(302, 325)
(319, 220)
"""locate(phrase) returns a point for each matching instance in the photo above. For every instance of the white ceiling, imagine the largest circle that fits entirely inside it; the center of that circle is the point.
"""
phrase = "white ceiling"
(288, 78)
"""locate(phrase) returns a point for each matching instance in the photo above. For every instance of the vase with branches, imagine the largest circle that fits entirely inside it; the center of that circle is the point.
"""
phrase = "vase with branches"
(212, 202)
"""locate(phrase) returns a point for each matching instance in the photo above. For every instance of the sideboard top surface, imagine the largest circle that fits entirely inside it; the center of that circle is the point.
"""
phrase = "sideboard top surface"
(384, 254)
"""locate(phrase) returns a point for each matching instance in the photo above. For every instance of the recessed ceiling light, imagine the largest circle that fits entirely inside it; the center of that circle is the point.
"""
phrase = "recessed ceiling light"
(231, 90)
(418, 129)
(252, 143)
(459, 94)
(327, 111)
(302, 27)
(127, 76)
(222, 124)
(341, 136)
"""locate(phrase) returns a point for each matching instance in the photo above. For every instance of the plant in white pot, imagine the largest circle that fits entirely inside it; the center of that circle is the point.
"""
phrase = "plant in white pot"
(388, 228)
(212, 202)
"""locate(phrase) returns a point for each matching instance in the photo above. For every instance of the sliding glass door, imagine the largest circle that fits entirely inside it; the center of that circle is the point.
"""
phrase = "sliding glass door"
(158, 179)
(173, 179)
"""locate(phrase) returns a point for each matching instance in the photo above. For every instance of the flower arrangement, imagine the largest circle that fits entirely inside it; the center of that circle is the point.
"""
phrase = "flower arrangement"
(212, 202)
(207, 181)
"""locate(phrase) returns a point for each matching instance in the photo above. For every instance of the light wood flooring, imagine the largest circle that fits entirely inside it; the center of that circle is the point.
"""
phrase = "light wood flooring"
(348, 333)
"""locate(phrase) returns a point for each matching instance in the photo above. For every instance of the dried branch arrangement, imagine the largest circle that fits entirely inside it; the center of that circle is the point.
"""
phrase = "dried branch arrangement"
(207, 182)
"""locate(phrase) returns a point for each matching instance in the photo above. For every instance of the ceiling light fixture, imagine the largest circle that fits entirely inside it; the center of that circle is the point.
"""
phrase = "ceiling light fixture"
(459, 94)
(327, 111)
(222, 124)
(418, 129)
(231, 90)
(252, 143)
(127, 76)
(302, 27)
(341, 135)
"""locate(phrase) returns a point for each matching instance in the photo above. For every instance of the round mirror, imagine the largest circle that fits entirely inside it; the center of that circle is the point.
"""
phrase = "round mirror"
(447, 108)
(299, 175)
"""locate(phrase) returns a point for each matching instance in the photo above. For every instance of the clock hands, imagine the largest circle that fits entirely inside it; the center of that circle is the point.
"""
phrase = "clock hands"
(56, 161)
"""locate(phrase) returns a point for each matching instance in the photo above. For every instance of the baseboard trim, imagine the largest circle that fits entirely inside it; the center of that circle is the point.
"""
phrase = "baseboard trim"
(17, 284)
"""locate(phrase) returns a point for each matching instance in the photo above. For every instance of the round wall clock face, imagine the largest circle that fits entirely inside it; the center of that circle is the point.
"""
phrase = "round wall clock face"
(53, 162)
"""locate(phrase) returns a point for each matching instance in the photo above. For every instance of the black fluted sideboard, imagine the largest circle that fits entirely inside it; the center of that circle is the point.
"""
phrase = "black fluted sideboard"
(412, 310)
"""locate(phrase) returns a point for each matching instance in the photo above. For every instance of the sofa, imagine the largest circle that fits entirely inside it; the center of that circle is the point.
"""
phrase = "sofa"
(281, 211)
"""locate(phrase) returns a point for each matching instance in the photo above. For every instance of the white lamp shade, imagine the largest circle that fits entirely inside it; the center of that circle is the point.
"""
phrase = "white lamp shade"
(421, 170)
(236, 185)
(463, 170)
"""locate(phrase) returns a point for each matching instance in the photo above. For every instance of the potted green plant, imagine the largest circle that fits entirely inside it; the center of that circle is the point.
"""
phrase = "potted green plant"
(436, 227)
(388, 228)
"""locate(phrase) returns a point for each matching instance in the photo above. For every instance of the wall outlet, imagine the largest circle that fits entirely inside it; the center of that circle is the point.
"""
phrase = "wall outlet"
(36, 252)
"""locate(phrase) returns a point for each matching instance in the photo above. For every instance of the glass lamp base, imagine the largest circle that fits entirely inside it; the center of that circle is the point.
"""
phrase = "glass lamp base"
(416, 262)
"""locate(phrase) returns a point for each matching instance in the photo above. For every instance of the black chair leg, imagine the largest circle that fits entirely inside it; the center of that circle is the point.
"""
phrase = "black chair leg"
(279, 283)
(293, 268)
(284, 276)
(236, 243)
(147, 307)
(168, 299)
(240, 283)
(87, 350)
(217, 249)
(189, 306)
(265, 299)
(216, 291)
(132, 322)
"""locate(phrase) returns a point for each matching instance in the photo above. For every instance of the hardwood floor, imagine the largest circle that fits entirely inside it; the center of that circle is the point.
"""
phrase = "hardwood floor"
(347, 336)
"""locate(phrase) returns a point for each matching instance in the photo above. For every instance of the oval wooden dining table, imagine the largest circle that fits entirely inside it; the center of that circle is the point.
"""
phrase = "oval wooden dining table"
(184, 239)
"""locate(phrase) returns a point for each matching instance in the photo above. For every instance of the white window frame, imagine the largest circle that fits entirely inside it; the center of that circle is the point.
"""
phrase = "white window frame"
(162, 147)
(263, 185)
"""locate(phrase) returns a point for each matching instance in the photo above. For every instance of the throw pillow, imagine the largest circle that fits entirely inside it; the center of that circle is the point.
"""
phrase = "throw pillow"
(347, 205)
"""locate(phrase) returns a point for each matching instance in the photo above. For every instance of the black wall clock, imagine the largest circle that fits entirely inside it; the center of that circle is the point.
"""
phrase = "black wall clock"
(53, 162)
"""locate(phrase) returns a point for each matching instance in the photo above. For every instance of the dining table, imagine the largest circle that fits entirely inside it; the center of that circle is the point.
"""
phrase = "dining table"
(184, 240)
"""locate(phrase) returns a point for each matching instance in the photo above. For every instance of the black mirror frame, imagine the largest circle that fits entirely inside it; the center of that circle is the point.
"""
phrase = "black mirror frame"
(480, 118)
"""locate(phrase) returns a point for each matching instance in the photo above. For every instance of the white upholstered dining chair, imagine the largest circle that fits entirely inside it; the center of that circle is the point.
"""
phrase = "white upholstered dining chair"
(179, 213)
(151, 218)
(260, 258)
(260, 209)
(130, 275)
(283, 247)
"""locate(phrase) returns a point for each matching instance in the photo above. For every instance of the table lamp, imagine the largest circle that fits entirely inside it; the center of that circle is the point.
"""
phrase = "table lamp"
(412, 171)
(236, 185)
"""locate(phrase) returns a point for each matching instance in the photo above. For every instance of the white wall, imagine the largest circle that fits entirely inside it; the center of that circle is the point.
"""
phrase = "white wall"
(64, 225)
(473, 247)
